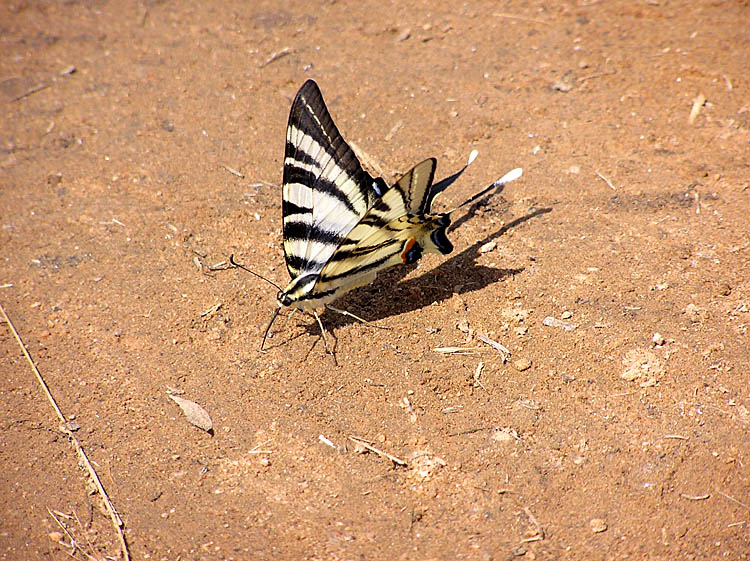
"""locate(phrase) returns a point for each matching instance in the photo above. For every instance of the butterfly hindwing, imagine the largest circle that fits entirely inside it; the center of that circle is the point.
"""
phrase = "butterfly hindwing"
(395, 230)
(326, 192)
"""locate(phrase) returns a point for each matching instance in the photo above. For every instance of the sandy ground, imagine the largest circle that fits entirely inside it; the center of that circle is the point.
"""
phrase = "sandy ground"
(142, 144)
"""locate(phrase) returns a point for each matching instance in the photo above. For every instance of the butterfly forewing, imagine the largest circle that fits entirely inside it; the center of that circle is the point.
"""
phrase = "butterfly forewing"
(326, 192)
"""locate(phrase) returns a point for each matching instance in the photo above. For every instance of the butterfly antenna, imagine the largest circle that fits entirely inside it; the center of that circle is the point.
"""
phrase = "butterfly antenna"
(233, 262)
(270, 323)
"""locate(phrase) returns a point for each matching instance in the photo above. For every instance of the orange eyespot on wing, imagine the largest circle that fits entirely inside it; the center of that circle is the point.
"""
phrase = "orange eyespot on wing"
(412, 251)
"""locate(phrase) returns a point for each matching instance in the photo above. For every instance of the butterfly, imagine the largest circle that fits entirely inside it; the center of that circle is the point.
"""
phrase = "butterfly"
(341, 226)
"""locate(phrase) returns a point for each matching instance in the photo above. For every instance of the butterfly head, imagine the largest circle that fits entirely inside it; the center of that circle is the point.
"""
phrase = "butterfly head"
(284, 299)
(299, 292)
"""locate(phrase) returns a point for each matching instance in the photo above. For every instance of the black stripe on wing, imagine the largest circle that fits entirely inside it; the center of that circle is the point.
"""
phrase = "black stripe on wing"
(294, 230)
(295, 174)
(288, 208)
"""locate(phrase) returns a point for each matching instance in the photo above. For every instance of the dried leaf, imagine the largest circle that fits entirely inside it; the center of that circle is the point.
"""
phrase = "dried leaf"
(194, 413)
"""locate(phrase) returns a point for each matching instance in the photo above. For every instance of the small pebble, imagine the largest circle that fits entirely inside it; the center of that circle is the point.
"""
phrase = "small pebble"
(549, 321)
(56, 537)
(566, 315)
(693, 313)
(657, 339)
(489, 246)
(598, 525)
(404, 35)
(505, 435)
(522, 364)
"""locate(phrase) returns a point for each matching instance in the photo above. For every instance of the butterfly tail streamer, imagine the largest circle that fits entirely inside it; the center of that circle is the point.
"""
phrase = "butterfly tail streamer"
(443, 184)
(507, 178)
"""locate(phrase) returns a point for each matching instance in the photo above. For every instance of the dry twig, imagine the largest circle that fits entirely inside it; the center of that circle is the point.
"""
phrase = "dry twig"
(233, 171)
(116, 520)
(277, 55)
(495, 345)
(695, 497)
(33, 90)
(535, 522)
(455, 350)
(607, 181)
(734, 500)
(477, 375)
(371, 448)
(367, 160)
(469, 431)
(521, 18)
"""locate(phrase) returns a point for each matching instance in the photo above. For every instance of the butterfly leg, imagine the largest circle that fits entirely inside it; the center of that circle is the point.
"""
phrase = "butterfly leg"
(351, 315)
(325, 338)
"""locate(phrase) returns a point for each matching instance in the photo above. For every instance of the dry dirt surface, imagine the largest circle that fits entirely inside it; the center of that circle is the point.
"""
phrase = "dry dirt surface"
(142, 144)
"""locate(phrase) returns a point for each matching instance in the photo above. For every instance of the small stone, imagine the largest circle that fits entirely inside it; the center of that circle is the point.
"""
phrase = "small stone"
(489, 246)
(694, 313)
(657, 339)
(505, 435)
(522, 364)
(598, 525)
(56, 537)
(724, 289)
(566, 315)
(54, 179)
(563, 85)
(404, 35)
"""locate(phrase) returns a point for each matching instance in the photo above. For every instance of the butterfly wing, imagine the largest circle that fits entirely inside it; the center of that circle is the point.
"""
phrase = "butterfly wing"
(326, 192)
(395, 230)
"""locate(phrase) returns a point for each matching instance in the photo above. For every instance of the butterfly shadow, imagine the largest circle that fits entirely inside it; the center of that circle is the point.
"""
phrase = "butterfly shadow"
(388, 296)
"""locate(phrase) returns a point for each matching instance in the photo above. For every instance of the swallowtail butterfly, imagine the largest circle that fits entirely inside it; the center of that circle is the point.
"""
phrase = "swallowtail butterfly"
(341, 225)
